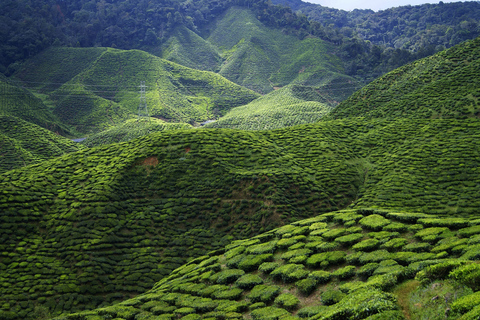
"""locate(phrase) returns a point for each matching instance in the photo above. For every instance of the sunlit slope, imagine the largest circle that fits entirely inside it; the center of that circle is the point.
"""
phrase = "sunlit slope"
(21, 103)
(23, 143)
(189, 49)
(261, 58)
(351, 264)
(285, 107)
(444, 85)
(132, 129)
(105, 92)
(113, 220)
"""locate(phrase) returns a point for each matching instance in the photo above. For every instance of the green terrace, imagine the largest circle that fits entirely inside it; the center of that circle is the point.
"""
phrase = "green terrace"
(349, 264)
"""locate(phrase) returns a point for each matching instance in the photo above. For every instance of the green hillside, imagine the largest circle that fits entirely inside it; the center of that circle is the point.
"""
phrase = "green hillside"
(21, 103)
(131, 129)
(113, 220)
(285, 107)
(261, 58)
(351, 264)
(104, 92)
(441, 86)
(23, 143)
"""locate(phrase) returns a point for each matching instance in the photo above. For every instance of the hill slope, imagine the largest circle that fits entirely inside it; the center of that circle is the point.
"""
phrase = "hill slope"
(340, 265)
(285, 107)
(23, 143)
(441, 86)
(125, 215)
(105, 91)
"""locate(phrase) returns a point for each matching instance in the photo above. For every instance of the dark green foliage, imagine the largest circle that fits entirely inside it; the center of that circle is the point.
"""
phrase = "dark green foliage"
(470, 231)
(366, 245)
(466, 303)
(268, 267)
(290, 272)
(229, 276)
(308, 312)
(468, 274)
(439, 271)
(306, 286)
(367, 270)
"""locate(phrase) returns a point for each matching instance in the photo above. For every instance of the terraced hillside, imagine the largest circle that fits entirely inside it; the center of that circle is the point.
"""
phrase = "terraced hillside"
(262, 58)
(102, 225)
(23, 143)
(21, 103)
(104, 92)
(285, 107)
(444, 85)
(132, 129)
(350, 264)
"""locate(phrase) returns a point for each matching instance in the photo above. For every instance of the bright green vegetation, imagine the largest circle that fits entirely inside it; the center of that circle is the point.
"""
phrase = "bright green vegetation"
(261, 58)
(113, 220)
(446, 286)
(284, 107)
(23, 143)
(104, 92)
(132, 129)
(441, 86)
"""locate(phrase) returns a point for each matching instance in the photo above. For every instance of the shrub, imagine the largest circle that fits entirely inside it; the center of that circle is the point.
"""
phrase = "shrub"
(290, 272)
(452, 223)
(252, 261)
(466, 303)
(229, 276)
(417, 247)
(374, 256)
(395, 227)
(354, 258)
(366, 245)
(431, 234)
(317, 226)
(395, 244)
(287, 301)
(387, 315)
(383, 236)
(349, 239)
(403, 257)
(468, 274)
(264, 293)
(344, 273)
(474, 314)
(374, 222)
(320, 276)
(473, 253)
(268, 267)
(448, 244)
(326, 258)
(334, 233)
(438, 271)
(327, 246)
(230, 294)
(409, 217)
(248, 281)
(262, 248)
(310, 311)
(295, 253)
(330, 297)
(306, 286)
(269, 313)
(367, 270)
(257, 305)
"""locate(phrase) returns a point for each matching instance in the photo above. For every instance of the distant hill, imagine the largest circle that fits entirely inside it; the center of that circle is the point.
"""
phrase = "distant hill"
(96, 94)
(23, 143)
(441, 86)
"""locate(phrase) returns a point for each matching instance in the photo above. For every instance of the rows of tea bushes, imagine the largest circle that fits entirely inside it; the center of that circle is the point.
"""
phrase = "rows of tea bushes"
(286, 107)
(440, 86)
(19, 102)
(23, 143)
(76, 229)
(341, 265)
(94, 94)
(132, 129)
(98, 226)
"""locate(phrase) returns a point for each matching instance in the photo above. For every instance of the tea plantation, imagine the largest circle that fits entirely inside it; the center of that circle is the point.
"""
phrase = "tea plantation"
(98, 226)
(349, 264)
